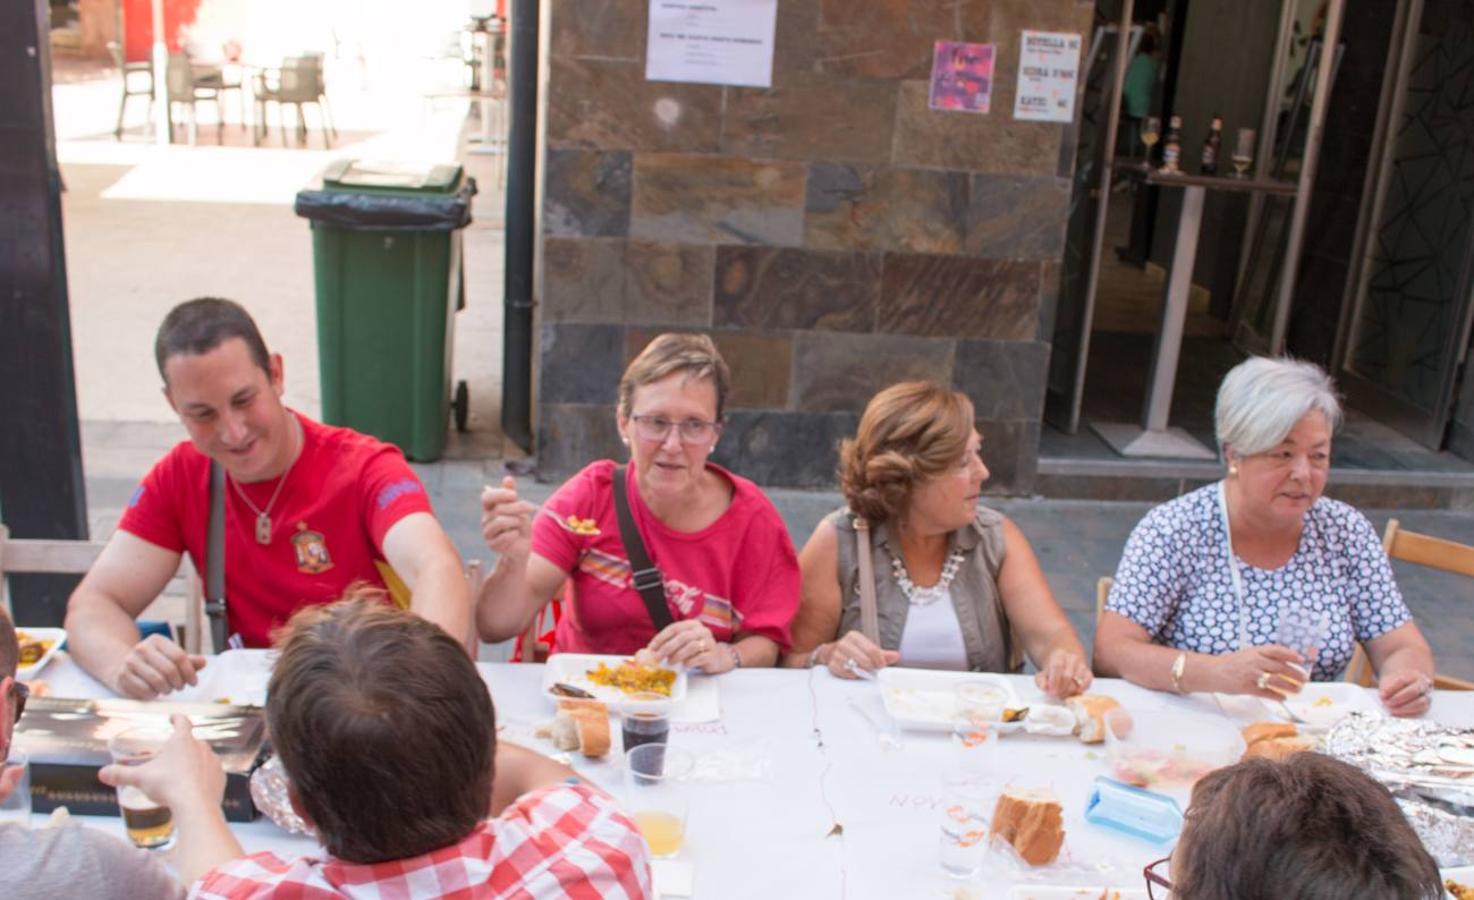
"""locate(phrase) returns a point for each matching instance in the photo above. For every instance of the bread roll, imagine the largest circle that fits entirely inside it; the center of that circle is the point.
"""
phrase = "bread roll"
(1260, 731)
(1032, 821)
(1090, 711)
(582, 725)
(1279, 748)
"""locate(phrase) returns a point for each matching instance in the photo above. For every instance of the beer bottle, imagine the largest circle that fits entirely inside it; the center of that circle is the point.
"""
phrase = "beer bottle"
(1212, 146)
(1172, 146)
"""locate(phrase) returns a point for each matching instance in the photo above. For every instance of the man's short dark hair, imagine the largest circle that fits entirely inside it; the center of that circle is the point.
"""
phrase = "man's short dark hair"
(9, 645)
(384, 727)
(200, 325)
(1310, 826)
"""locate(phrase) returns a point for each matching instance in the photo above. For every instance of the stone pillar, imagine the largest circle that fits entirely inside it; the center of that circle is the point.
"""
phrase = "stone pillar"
(832, 233)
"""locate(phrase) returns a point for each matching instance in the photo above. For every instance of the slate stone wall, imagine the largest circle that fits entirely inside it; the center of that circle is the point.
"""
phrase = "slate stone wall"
(832, 233)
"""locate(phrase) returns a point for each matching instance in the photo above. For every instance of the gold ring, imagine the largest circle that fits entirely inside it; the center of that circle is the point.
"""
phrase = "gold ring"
(1262, 681)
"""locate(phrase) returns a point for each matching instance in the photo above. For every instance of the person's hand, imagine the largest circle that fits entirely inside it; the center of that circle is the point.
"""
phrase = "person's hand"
(155, 665)
(855, 650)
(1065, 674)
(1268, 671)
(690, 643)
(186, 771)
(10, 776)
(1407, 693)
(506, 521)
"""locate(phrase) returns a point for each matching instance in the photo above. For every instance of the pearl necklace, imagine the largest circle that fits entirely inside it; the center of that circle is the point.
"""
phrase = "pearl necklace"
(926, 596)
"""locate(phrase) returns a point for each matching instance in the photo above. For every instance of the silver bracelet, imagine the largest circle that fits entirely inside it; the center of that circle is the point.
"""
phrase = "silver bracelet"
(736, 657)
(814, 656)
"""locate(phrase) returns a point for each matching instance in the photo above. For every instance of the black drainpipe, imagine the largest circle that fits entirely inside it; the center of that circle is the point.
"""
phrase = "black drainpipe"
(520, 225)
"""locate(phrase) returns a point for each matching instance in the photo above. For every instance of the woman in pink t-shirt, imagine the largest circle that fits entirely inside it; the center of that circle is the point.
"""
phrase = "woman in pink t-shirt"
(728, 569)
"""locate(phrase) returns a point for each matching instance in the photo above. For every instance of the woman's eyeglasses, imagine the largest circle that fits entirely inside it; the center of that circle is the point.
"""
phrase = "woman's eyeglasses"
(21, 693)
(1154, 880)
(656, 428)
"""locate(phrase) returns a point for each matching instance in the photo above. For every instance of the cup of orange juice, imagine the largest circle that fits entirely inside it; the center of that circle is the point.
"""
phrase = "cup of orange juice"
(656, 777)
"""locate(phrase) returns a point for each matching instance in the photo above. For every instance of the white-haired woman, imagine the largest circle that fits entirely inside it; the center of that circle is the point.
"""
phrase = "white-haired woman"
(1205, 578)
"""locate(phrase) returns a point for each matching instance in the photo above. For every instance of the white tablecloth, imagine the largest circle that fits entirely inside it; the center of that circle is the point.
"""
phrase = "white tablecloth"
(807, 762)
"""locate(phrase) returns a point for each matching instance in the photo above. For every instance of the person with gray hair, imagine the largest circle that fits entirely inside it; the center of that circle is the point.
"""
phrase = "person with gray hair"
(1206, 579)
(66, 859)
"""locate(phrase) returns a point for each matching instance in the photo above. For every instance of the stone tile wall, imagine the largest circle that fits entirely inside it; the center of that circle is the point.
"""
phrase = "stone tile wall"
(832, 233)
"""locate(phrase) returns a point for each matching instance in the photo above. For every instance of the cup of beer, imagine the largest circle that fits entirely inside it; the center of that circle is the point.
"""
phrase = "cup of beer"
(656, 796)
(150, 824)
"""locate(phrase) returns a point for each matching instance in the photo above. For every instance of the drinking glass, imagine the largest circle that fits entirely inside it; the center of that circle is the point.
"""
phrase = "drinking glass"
(964, 829)
(644, 719)
(16, 806)
(978, 701)
(149, 823)
(1303, 630)
(656, 795)
(1243, 151)
(975, 747)
(1151, 132)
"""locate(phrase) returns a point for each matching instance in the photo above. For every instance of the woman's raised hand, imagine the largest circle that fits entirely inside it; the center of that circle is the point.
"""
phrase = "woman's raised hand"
(853, 651)
(1269, 671)
(506, 521)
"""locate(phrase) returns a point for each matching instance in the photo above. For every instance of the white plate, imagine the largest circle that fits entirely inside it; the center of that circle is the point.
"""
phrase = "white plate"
(1324, 703)
(573, 668)
(1055, 892)
(1462, 874)
(921, 699)
(57, 635)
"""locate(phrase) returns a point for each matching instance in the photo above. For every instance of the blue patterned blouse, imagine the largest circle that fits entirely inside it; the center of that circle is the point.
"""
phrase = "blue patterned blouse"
(1174, 581)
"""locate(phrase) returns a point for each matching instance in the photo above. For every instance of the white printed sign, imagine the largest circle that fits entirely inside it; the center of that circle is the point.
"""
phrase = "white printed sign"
(1048, 70)
(712, 41)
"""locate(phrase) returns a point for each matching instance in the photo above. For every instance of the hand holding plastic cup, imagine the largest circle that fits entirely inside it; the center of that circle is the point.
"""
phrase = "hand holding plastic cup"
(150, 824)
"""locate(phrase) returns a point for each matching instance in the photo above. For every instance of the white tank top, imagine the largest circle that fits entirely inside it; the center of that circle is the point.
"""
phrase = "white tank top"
(932, 638)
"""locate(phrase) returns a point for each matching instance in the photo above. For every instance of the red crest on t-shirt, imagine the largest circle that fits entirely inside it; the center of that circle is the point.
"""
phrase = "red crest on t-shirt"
(312, 550)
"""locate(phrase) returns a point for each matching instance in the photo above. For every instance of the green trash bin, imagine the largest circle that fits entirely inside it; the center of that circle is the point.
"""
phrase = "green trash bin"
(387, 252)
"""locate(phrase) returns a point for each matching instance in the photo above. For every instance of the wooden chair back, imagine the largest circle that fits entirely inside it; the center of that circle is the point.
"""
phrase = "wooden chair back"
(1425, 550)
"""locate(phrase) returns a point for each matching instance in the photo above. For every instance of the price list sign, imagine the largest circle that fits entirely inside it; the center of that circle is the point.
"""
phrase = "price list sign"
(1048, 70)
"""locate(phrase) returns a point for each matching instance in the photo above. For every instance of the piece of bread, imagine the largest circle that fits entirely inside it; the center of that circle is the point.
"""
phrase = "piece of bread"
(1279, 748)
(582, 725)
(1262, 731)
(1090, 711)
(1032, 821)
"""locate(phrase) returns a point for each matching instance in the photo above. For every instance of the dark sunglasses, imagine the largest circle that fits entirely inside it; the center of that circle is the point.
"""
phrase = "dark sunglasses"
(22, 693)
(1153, 880)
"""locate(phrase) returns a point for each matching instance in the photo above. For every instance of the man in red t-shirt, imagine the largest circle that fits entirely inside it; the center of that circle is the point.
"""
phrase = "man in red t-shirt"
(309, 510)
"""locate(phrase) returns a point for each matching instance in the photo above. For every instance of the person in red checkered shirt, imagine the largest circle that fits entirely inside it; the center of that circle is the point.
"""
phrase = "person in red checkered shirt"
(388, 736)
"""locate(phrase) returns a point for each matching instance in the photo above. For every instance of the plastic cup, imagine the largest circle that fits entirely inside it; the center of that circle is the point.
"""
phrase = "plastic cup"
(978, 701)
(149, 823)
(656, 795)
(963, 841)
(644, 719)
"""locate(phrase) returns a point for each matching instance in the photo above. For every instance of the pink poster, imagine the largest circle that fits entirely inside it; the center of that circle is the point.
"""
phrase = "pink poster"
(961, 76)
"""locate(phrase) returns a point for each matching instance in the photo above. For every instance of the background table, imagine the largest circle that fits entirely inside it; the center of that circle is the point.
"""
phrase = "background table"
(775, 835)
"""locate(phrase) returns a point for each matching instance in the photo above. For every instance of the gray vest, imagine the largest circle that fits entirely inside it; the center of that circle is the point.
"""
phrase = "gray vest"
(985, 632)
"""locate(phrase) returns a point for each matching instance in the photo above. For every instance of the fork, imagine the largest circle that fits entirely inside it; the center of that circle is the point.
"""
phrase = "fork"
(887, 737)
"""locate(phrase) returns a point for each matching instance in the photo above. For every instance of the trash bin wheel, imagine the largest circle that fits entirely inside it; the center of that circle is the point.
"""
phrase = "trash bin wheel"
(461, 405)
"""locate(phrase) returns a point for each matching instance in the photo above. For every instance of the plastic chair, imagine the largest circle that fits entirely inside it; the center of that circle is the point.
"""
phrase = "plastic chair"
(185, 87)
(298, 82)
(138, 81)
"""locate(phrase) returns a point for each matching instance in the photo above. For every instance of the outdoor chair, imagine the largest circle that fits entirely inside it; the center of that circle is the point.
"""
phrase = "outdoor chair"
(298, 82)
(60, 557)
(186, 87)
(1425, 550)
(138, 81)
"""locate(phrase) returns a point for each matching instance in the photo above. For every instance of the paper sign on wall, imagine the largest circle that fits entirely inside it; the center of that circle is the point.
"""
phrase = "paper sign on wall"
(1048, 69)
(961, 77)
(712, 41)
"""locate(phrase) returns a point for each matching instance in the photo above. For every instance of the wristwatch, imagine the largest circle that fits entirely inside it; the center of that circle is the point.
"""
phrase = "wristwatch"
(1179, 665)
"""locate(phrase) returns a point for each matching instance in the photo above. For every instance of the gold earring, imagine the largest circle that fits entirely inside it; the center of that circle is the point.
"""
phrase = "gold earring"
(1233, 470)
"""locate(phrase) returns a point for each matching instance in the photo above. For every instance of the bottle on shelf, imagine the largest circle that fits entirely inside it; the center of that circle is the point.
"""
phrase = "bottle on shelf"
(1213, 147)
(1172, 147)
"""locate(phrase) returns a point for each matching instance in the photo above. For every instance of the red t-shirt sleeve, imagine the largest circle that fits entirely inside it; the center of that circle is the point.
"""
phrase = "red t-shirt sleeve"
(553, 538)
(768, 598)
(390, 491)
(153, 511)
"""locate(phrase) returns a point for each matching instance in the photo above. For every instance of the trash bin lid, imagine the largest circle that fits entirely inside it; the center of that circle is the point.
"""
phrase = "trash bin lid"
(438, 178)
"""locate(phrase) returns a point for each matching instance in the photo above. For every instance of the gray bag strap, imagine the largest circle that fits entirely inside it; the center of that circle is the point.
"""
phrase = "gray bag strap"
(215, 559)
(869, 614)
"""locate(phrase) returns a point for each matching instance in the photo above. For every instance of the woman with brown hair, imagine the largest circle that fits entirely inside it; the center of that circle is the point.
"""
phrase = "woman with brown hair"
(1310, 826)
(725, 577)
(953, 581)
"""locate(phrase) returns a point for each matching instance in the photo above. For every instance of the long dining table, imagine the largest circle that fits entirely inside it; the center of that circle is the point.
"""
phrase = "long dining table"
(796, 794)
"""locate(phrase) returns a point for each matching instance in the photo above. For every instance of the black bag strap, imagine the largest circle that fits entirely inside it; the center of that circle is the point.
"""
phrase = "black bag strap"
(215, 558)
(647, 578)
